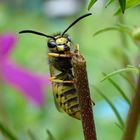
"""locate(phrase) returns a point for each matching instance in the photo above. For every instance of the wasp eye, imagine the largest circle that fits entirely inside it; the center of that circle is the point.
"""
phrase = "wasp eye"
(69, 39)
(51, 44)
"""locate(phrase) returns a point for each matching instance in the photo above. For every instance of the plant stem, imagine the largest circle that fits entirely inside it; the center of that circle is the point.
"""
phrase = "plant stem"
(124, 42)
(125, 46)
(133, 116)
(81, 83)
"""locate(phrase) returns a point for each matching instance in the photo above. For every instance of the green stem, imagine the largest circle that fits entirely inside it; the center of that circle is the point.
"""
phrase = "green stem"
(124, 42)
(125, 46)
(133, 116)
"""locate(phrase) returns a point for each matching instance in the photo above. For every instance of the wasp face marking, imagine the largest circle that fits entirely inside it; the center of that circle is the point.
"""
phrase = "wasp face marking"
(61, 44)
(61, 40)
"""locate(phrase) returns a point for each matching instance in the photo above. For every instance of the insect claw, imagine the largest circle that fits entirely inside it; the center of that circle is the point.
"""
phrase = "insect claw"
(52, 78)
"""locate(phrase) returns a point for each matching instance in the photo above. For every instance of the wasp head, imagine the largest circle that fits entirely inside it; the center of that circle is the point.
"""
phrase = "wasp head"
(60, 44)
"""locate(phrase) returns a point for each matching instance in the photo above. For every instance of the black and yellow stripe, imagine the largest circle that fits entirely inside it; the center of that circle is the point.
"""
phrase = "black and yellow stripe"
(67, 98)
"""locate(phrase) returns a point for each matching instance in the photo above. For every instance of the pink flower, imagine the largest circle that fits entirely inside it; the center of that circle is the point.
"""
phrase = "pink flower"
(31, 85)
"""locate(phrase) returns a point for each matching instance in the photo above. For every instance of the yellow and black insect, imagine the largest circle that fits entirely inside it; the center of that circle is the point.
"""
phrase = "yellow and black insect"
(60, 48)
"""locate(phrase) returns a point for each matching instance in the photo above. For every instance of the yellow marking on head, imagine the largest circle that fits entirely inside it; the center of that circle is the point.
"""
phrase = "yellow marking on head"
(61, 40)
(60, 47)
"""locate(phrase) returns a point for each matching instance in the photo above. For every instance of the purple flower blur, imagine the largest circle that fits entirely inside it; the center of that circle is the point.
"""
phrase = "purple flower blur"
(31, 85)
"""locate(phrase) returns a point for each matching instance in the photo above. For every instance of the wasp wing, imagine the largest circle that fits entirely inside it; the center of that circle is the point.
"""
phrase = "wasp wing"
(54, 87)
(55, 91)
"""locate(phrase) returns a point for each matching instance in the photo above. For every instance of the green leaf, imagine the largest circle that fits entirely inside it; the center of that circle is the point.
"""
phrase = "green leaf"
(119, 89)
(91, 4)
(131, 83)
(112, 106)
(117, 12)
(50, 136)
(32, 135)
(117, 27)
(127, 69)
(122, 5)
(131, 3)
(108, 3)
(119, 126)
(105, 30)
(7, 132)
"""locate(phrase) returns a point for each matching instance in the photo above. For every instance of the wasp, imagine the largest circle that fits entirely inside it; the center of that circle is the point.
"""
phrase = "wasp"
(60, 49)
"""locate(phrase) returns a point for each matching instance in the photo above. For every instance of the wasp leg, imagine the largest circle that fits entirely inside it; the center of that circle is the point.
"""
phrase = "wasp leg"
(58, 55)
(61, 81)
(52, 78)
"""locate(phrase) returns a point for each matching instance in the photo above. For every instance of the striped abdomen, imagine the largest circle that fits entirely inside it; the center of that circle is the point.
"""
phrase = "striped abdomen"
(67, 98)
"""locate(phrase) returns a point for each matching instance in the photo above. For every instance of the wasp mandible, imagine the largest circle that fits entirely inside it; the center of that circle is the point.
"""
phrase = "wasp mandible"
(60, 49)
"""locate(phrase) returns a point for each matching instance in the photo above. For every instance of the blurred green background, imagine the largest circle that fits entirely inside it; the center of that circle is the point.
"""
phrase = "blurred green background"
(102, 54)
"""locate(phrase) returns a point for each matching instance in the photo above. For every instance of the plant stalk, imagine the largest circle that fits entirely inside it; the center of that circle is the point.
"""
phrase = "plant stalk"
(133, 116)
(82, 86)
(125, 47)
(124, 42)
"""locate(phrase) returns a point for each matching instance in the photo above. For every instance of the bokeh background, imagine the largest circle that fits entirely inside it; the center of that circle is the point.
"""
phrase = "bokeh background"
(102, 53)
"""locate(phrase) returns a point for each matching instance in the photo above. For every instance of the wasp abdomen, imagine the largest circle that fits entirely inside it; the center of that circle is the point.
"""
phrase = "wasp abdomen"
(67, 98)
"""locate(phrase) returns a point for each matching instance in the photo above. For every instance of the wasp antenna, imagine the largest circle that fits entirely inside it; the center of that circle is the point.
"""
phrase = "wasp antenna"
(37, 33)
(74, 22)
